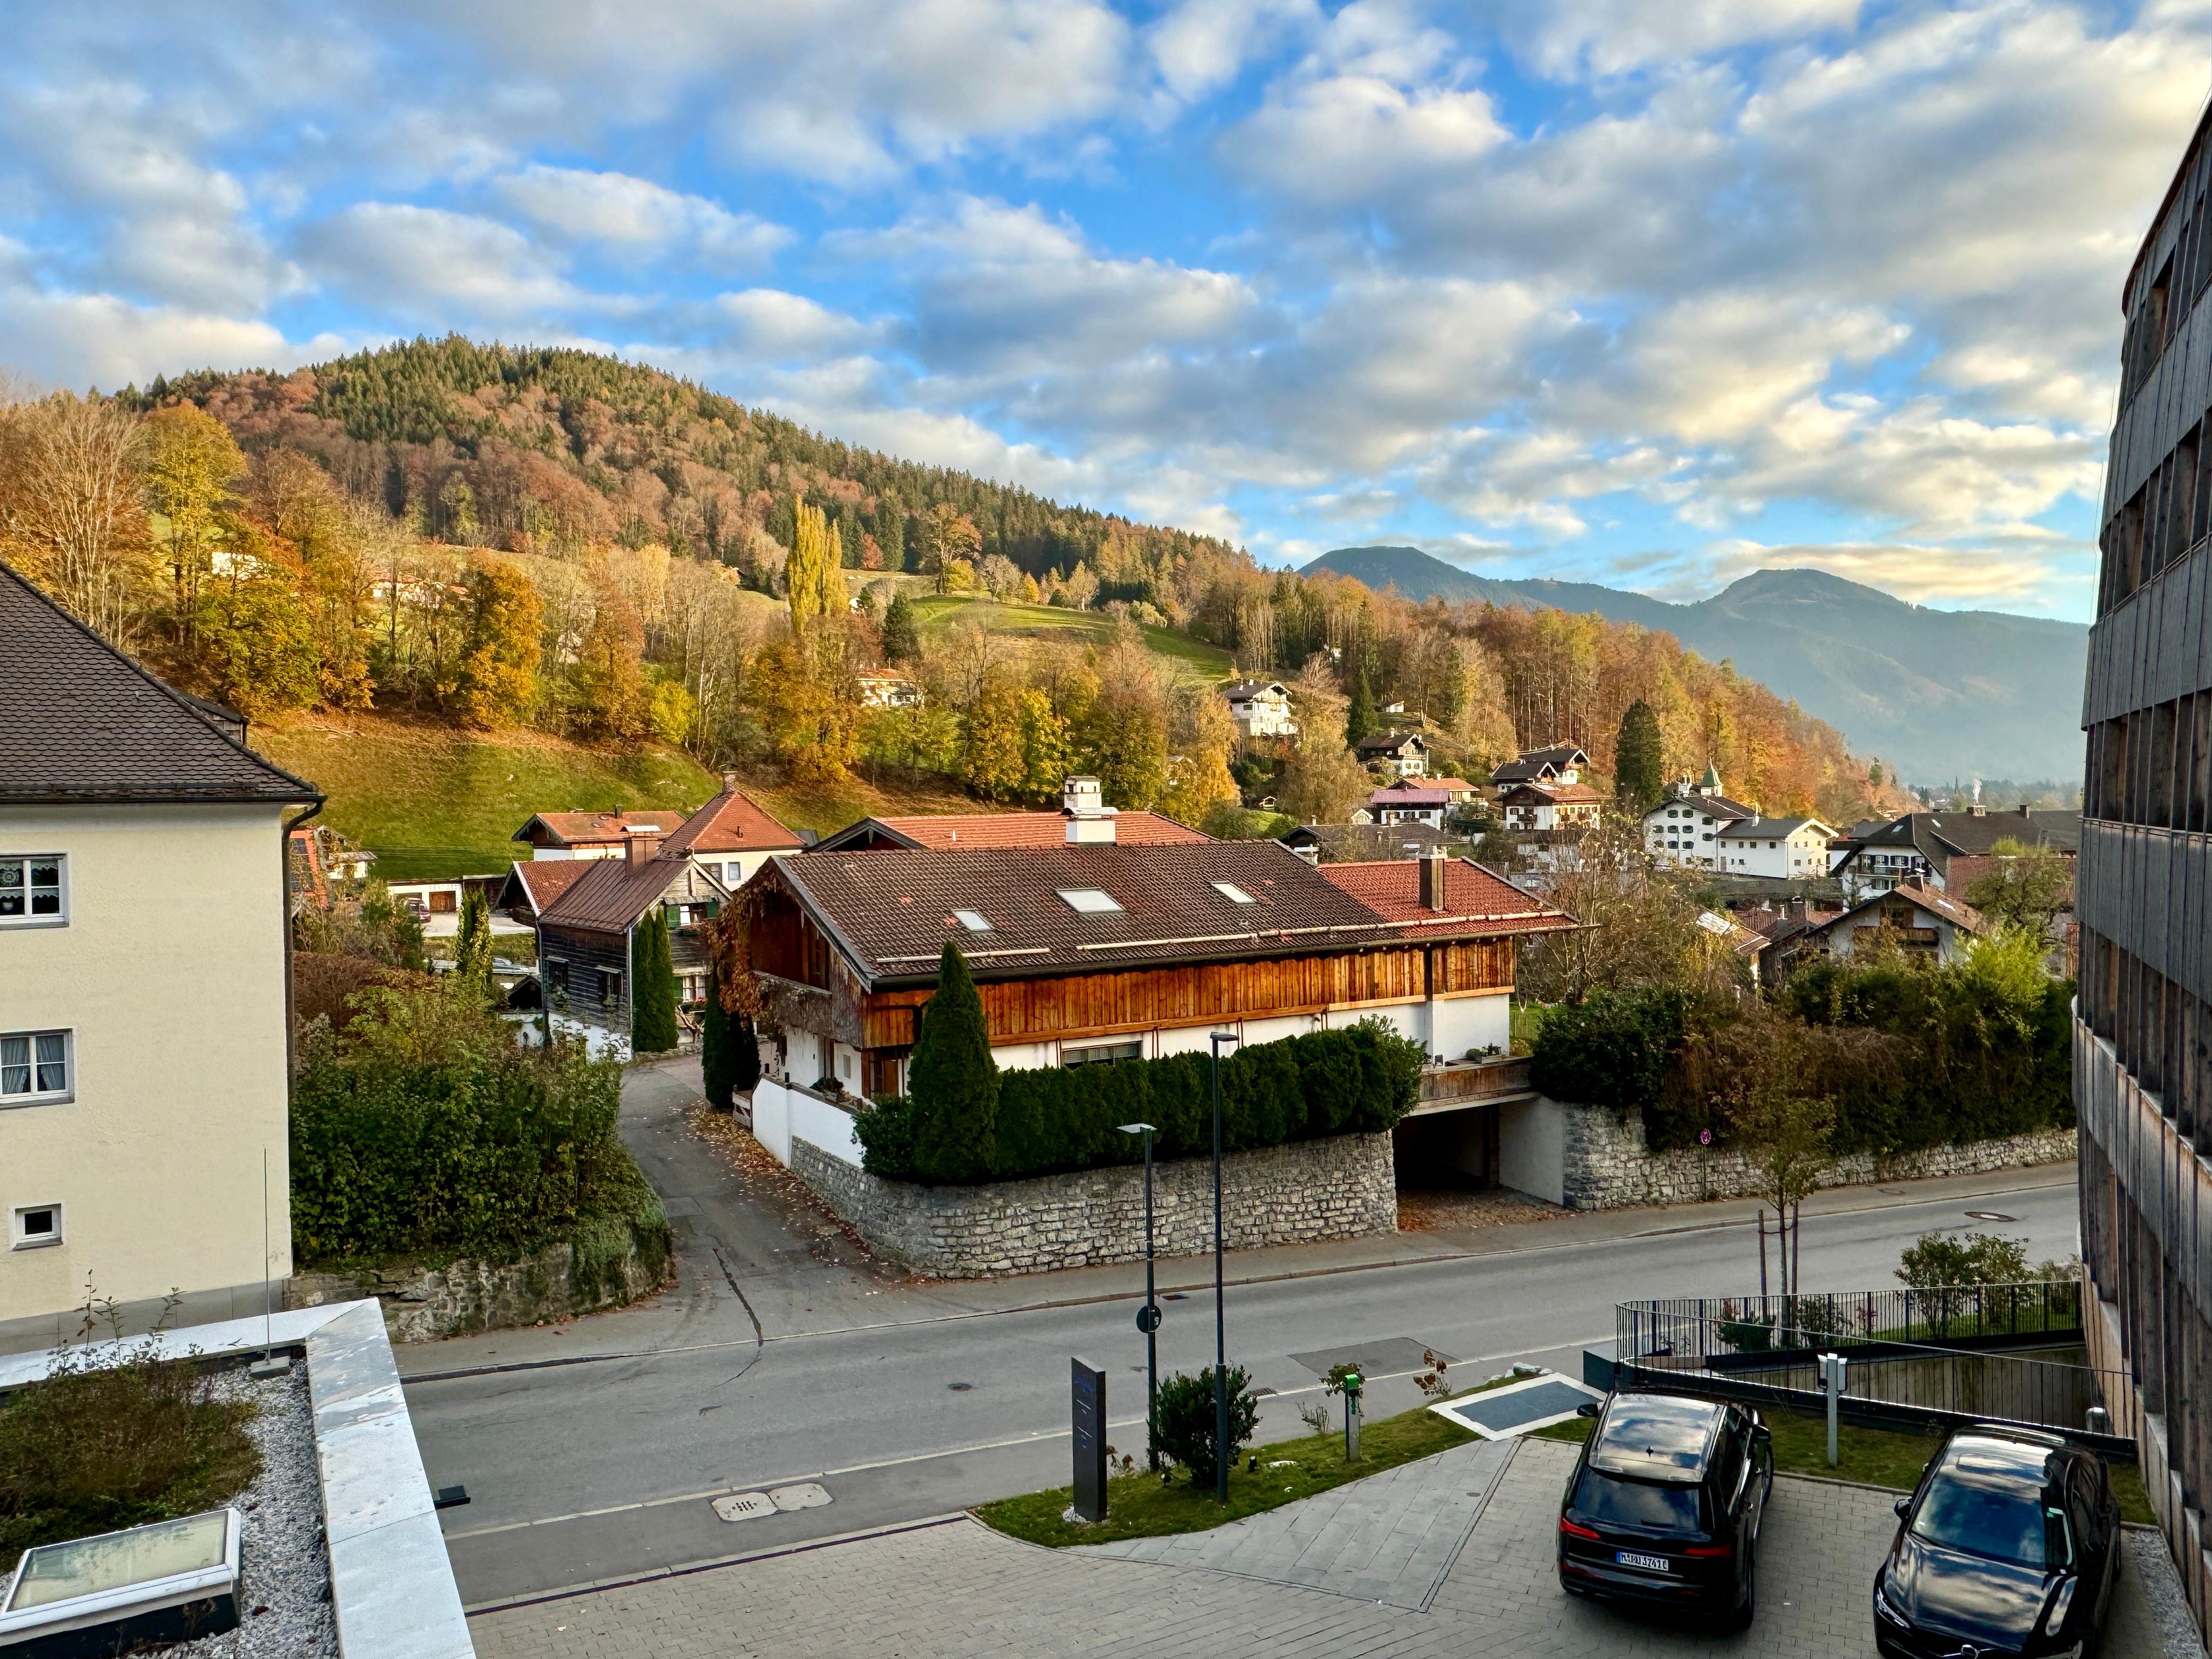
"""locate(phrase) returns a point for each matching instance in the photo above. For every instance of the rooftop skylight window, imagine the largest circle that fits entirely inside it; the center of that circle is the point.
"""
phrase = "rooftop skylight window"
(1233, 893)
(974, 921)
(1090, 901)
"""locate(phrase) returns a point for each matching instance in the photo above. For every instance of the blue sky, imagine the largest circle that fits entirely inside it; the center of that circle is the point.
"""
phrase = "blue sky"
(1650, 295)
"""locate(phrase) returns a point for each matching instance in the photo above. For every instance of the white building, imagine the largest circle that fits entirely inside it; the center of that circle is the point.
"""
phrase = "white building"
(1562, 762)
(1551, 807)
(1789, 849)
(885, 688)
(1261, 708)
(144, 941)
(1683, 831)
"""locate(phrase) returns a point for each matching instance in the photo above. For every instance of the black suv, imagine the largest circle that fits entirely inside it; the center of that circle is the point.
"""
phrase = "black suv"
(1664, 1506)
(2011, 1545)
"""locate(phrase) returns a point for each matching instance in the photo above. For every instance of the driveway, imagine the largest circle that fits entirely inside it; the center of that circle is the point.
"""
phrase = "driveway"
(1346, 1576)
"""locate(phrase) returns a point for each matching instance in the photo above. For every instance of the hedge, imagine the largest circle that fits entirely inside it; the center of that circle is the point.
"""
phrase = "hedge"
(1360, 1080)
(482, 1154)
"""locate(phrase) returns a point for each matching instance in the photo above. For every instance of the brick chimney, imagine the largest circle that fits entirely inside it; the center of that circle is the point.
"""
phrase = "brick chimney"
(641, 843)
(1433, 881)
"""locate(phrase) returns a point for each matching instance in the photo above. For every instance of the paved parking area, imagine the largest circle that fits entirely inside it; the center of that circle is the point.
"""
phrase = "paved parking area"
(959, 1589)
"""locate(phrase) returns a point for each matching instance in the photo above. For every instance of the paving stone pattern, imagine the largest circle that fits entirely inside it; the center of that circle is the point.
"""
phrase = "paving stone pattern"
(960, 1589)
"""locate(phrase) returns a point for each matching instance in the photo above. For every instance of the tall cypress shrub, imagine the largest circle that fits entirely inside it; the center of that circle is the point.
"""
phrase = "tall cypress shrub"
(952, 1080)
(744, 1048)
(653, 999)
(714, 1047)
(472, 946)
(1639, 759)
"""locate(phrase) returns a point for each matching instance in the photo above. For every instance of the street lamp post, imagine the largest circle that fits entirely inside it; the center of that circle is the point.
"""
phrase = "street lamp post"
(1220, 1328)
(1148, 1316)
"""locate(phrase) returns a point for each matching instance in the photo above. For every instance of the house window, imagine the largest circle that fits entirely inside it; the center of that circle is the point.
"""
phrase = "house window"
(31, 890)
(36, 1226)
(1102, 1053)
(610, 985)
(1090, 901)
(556, 975)
(974, 921)
(34, 1066)
(1232, 892)
(734, 873)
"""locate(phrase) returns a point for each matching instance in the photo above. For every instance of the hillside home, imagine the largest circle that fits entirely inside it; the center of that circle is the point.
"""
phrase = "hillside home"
(144, 941)
(587, 932)
(324, 862)
(1544, 807)
(1080, 817)
(731, 837)
(590, 835)
(883, 687)
(533, 884)
(1261, 708)
(1407, 801)
(1562, 762)
(1923, 919)
(1100, 951)
(1403, 753)
(1920, 846)
(1786, 850)
(1682, 831)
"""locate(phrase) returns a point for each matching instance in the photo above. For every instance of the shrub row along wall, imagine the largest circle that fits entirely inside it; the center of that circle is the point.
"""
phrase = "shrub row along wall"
(1340, 1187)
(1606, 1162)
(1360, 1080)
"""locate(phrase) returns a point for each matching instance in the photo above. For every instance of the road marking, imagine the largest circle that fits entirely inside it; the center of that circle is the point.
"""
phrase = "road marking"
(632, 1355)
(819, 1475)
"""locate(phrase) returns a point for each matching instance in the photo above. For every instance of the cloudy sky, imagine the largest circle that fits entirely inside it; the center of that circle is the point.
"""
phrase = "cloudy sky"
(1646, 293)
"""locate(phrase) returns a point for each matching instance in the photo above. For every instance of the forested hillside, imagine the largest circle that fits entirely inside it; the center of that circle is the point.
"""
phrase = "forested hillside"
(492, 537)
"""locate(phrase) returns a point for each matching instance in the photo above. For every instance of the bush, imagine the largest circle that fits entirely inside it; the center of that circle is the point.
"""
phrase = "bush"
(1188, 1421)
(1361, 1081)
(427, 1128)
(1611, 1048)
(91, 1451)
(953, 1079)
(652, 998)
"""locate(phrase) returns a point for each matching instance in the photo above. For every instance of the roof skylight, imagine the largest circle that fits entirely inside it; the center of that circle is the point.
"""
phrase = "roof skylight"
(974, 921)
(1233, 893)
(1090, 901)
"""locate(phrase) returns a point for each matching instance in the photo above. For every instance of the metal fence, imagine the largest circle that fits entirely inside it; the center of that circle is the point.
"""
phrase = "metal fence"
(1937, 1355)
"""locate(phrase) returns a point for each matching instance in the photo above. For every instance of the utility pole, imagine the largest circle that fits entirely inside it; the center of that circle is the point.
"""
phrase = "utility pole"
(1221, 1449)
(1148, 1316)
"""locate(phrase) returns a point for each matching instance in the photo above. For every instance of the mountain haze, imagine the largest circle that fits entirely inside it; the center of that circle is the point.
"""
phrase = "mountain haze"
(1939, 694)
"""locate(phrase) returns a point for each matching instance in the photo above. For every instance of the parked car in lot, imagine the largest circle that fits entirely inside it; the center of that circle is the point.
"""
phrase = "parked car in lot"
(1664, 1506)
(2010, 1544)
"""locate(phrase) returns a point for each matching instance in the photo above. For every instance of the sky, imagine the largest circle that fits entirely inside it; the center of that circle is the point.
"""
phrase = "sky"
(1651, 294)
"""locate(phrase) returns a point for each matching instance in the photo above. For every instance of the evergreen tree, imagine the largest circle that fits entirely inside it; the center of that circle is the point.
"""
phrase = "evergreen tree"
(1639, 759)
(1359, 715)
(472, 946)
(742, 1064)
(714, 1047)
(902, 639)
(652, 998)
(952, 1081)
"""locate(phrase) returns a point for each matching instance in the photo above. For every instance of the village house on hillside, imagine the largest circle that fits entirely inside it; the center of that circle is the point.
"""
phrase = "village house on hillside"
(1547, 806)
(731, 837)
(1404, 754)
(1784, 849)
(1682, 832)
(1922, 845)
(886, 688)
(590, 835)
(1560, 763)
(1082, 817)
(1105, 950)
(1921, 918)
(1261, 708)
(144, 1048)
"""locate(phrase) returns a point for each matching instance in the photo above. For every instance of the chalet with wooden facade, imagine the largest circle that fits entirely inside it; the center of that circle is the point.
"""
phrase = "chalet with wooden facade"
(590, 835)
(1562, 762)
(587, 932)
(1101, 951)
(1403, 753)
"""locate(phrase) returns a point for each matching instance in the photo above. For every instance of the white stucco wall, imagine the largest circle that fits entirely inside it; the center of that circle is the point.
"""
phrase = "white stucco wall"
(1459, 1023)
(1532, 1148)
(170, 977)
(780, 1114)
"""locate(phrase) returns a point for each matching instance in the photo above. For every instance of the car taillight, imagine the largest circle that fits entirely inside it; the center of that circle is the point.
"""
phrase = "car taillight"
(1709, 1552)
(1573, 1531)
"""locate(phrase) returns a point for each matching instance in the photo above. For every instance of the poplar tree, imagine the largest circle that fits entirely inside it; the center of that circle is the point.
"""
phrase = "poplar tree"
(472, 946)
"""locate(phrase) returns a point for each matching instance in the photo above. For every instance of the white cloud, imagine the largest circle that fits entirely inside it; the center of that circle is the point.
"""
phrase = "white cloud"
(432, 263)
(1565, 39)
(635, 218)
(1200, 45)
(769, 325)
(100, 339)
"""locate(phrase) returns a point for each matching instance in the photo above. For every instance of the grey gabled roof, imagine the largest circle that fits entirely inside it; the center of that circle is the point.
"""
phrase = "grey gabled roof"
(1766, 828)
(83, 723)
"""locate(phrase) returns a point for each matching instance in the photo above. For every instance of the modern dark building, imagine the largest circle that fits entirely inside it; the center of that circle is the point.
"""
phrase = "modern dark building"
(2142, 1070)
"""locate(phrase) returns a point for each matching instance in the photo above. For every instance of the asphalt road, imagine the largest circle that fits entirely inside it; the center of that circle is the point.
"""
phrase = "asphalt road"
(911, 1407)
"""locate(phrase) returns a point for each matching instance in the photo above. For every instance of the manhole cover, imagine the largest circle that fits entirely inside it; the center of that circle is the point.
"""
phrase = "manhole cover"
(744, 1506)
(807, 1495)
(1990, 1215)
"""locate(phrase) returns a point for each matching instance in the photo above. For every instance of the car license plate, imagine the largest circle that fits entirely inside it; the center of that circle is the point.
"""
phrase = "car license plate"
(1648, 1563)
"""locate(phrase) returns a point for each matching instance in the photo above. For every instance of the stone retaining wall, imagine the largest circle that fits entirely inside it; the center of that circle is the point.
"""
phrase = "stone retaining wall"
(422, 1304)
(1608, 1165)
(1344, 1187)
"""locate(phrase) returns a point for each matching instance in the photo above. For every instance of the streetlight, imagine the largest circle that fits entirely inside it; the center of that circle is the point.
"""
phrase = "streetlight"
(1220, 1331)
(1148, 1316)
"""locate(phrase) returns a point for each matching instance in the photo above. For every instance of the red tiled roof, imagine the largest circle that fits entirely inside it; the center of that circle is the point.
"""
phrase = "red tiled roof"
(586, 829)
(1399, 796)
(943, 831)
(543, 880)
(733, 821)
(1392, 889)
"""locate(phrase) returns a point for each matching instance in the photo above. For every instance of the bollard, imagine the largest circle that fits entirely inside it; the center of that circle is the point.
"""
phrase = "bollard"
(1352, 1383)
(1831, 1381)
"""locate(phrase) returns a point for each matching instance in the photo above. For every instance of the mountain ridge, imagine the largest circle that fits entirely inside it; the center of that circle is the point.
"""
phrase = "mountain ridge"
(1938, 694)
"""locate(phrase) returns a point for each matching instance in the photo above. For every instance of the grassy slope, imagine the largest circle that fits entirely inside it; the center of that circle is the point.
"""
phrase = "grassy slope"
(935, 612)
(429, 800)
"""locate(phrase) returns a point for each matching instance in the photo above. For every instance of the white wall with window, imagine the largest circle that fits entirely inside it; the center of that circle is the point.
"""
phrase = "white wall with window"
(33, 890)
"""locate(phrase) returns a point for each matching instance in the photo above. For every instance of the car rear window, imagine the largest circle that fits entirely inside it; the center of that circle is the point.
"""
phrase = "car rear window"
(1648, 1505)
(2004, 1526)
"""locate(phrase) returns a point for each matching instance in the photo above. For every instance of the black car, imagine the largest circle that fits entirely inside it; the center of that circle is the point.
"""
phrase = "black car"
(1664, 1506)
(2011, 1545)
